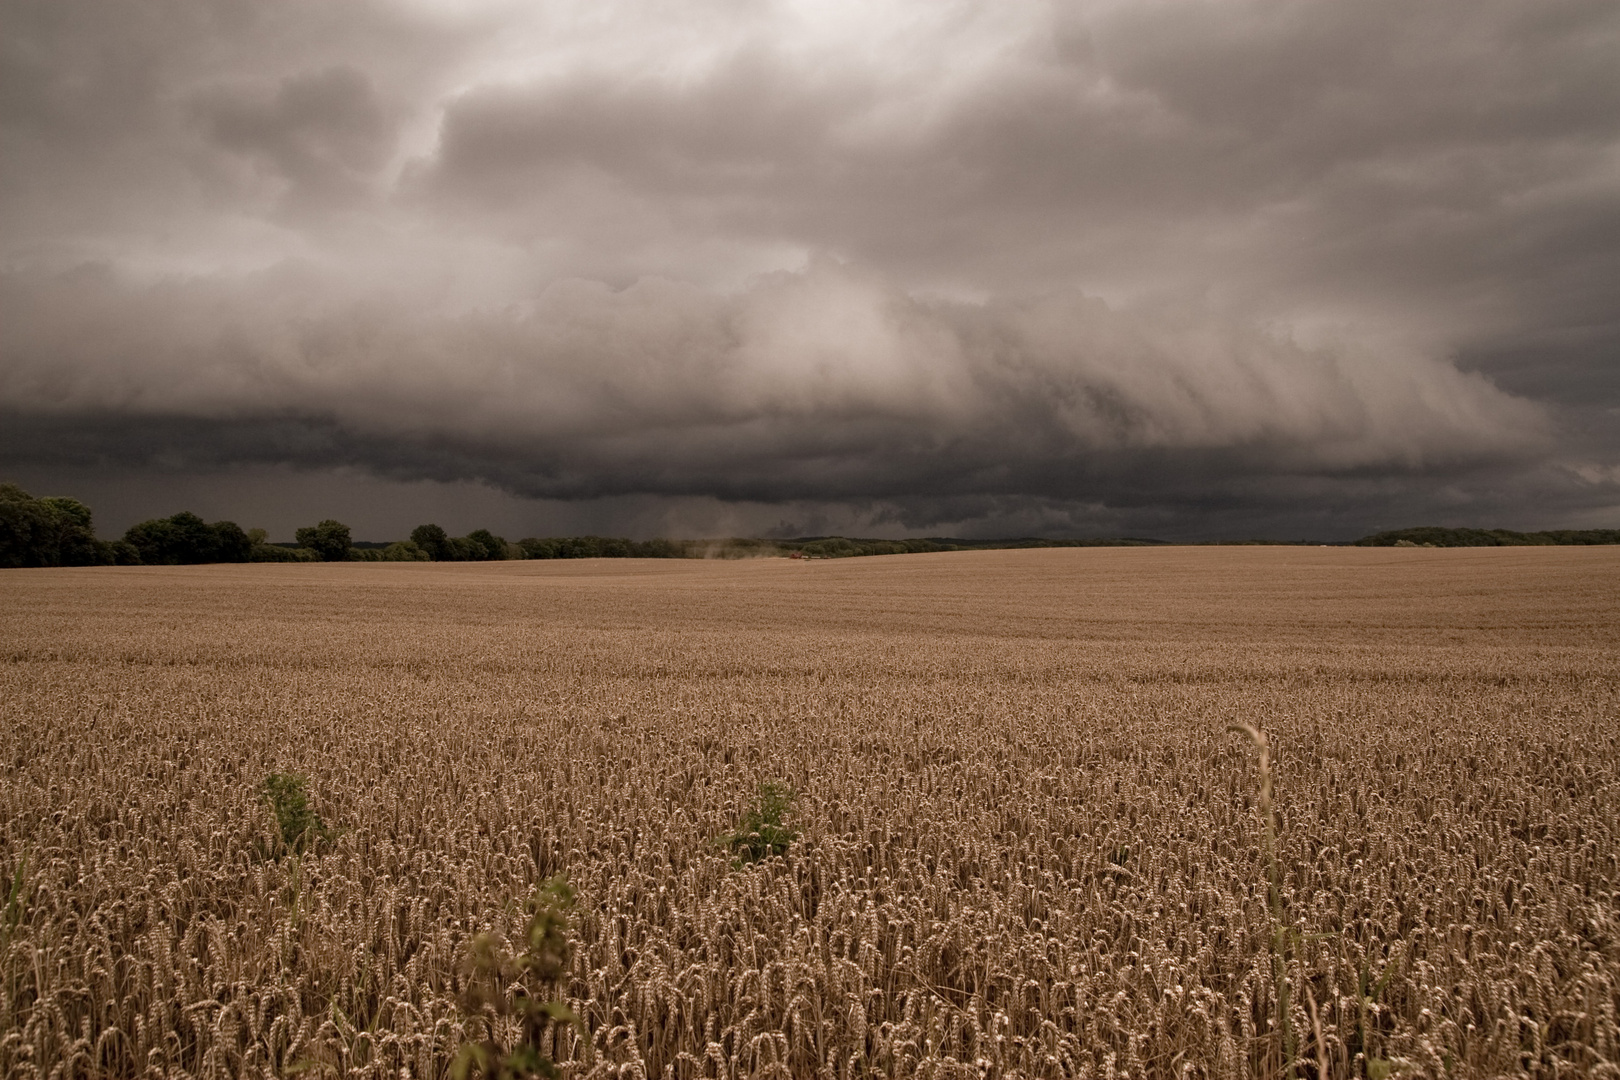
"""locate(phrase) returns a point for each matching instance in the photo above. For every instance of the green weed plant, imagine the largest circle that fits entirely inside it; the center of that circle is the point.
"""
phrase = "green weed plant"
(763, 831)
(502, 985)
(298, 826)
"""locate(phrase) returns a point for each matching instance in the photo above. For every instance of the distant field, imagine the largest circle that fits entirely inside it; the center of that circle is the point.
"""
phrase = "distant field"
(1029, 844)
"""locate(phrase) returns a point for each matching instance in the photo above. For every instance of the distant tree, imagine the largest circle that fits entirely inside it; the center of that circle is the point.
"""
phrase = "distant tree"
(231, 543)
(1584, 536)
(535, 547)
(488, 545)
(78, 546)
(260, 549)
(68, 510)
(18, 519)
(433, 540)
(657, 548)
(186, 539)
(196, 540)
(589, 547)
(29, 530)
(329, 540)
(1436, 536)
(834, 547)
(154, 539)
(60, 531)
(597, 547)
(76, 543)
(404, 551)
(159, 541)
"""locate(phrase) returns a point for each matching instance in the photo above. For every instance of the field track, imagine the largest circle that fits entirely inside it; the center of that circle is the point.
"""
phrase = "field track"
(1030, 846)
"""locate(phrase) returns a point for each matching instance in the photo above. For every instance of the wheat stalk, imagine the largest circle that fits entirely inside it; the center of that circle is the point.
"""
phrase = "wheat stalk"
(1018, 841)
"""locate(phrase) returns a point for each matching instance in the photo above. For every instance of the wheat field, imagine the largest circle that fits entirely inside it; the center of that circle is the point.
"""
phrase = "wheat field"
(1028, 843)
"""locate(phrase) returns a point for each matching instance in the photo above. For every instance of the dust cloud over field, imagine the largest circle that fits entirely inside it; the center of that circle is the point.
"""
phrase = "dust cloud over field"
(1029, 844)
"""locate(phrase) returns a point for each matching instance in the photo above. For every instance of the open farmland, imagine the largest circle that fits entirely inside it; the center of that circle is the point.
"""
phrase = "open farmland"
(1029, 844)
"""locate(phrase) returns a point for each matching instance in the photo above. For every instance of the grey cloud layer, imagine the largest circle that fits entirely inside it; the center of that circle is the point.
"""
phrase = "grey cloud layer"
(827, 384)
(1313, 152)
(854, 263)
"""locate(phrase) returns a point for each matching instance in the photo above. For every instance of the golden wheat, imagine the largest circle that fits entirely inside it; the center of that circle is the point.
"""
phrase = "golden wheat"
(1029, 844)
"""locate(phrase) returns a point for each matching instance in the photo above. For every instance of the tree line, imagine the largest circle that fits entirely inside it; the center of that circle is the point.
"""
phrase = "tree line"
(59, 531)
(1434, 536)
(53, 531)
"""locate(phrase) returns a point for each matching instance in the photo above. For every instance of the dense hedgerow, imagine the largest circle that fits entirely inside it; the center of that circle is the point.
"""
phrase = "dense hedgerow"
(1435, 536)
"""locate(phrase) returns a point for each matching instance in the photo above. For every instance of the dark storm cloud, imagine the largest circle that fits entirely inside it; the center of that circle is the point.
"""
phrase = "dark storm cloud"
(852, 255)
(827, 384)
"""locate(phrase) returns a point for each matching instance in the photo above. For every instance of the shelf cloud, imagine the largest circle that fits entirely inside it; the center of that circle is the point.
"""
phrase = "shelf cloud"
(1199, 268)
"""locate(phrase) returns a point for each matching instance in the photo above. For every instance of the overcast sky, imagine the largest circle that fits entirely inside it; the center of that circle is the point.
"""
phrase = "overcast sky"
(1178, 268)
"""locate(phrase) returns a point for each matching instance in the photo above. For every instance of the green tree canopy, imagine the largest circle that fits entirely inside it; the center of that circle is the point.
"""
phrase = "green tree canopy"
(330, 540)
(487, 546)
(52, 531)
(33, 531)
(186, 539)
(433, 540)
(231, 542)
